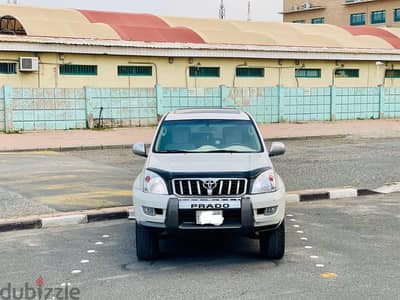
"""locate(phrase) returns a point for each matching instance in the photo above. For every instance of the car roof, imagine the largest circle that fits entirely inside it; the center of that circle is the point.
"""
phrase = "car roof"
(207, 113)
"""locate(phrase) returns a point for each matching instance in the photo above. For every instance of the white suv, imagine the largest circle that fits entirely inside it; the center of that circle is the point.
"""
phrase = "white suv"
(209, 170)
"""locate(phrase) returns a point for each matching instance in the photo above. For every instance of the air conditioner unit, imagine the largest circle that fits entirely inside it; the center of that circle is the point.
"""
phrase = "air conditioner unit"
(295, 7)
(307, 5)
(28, 64)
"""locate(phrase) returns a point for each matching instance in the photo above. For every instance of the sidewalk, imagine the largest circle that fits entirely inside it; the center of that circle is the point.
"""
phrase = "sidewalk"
(126, 136)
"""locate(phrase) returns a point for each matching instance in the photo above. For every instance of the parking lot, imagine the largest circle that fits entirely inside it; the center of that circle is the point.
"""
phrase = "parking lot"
(335, 250)
(41, 182)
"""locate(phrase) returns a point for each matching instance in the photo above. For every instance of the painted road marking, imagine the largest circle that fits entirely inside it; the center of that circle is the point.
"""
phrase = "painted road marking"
(304, 238)
(296, 226)
(99, 243)
(314, 256)
(76, 271)
(106, 236)
(308, 247)
(84, 261)
(300, 231)
(293, 220)
(320, 265)
(91, 251)
(328, 275)
(64, 284)
(289, 215)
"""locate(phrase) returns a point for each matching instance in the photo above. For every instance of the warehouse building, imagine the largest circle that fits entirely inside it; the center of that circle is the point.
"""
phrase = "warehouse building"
(67, 48)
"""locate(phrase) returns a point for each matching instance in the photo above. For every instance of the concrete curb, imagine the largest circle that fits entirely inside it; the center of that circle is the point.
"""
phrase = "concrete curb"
(126, 212)
(65, 219)
(329, 194)
(128, 146)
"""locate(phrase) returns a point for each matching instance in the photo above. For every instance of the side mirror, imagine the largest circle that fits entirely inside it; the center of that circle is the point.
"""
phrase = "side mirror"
(139, 149)
(277, 149)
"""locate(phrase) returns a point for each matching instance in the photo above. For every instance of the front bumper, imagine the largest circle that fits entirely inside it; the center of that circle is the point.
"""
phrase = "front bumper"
(249, 219)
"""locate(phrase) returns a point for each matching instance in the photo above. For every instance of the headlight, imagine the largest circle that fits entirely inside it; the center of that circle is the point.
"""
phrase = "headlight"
(154, 184)
(264, 183)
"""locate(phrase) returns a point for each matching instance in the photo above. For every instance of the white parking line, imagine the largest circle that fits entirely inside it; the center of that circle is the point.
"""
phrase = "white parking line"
(84, 261)
(296, 226)
(308, 247)
(314, 256)
(300, 231)
(76, 271)
(91, 251)
(320, 265)
(99, 243)
(304, 238)
(105, 236)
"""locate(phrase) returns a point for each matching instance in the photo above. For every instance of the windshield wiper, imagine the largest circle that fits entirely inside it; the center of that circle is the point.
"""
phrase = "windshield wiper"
(175, 151)
(223, 151)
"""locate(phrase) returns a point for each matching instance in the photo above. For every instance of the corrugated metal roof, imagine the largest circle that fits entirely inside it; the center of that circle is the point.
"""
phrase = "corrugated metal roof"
(85, 24)
(142, 27)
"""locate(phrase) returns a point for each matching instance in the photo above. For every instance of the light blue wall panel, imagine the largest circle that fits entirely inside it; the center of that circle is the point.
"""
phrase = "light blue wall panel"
(124, 107)
(178, 98)
(45, 109)
(1, 109)
(306, 104)
(357, 103)
(261, 103)
(391, 100)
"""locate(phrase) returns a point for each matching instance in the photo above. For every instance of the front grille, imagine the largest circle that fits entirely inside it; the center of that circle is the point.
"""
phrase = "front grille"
(206, 187)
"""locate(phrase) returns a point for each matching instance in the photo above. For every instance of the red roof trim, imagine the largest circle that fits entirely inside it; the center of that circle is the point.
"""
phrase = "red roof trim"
(389, 37)
(143, 27)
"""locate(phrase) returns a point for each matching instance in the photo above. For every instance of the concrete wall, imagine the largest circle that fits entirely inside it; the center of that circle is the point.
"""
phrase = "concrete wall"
(337, 13)
(42, 109)
(176, 73)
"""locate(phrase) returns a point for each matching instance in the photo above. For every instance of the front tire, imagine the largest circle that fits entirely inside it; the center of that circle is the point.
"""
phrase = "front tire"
(146, 243)
(272, 243)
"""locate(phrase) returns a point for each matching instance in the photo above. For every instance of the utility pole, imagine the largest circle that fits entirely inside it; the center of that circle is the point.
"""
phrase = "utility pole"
(222, 10)
(249, 11)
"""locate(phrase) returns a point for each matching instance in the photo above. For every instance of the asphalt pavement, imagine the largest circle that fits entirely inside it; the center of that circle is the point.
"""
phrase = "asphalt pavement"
(45, 181)
(343, 249)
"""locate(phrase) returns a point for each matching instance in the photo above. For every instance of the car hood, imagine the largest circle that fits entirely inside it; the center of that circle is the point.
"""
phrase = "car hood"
(214, 162)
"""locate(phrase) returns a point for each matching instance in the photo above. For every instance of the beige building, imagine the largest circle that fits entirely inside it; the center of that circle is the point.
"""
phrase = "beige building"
(67, 48)
(343, 12)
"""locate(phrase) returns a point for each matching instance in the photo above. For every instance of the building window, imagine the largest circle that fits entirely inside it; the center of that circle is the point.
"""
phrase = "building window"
(396, 15)
(357, 19)
(250, 72)
(8, 68)
(308, 73)
(392, 73)
(299, 21)
(347, 73)
(378, 17)
(318, 21)
(78, 70)
(135, 71)
(204, 71)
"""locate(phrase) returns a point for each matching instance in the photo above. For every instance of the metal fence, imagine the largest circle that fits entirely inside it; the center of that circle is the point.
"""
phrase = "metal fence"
(42, 109)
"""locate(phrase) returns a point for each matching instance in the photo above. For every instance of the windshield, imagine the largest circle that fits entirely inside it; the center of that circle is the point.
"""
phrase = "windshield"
(207, 136)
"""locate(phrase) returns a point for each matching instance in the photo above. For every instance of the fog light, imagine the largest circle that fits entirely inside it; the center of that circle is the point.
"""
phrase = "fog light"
(150, 211)
(270, 210)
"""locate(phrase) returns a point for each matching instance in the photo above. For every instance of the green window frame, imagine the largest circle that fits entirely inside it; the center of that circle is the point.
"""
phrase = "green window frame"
(396, 15)
(347, 73)
(299, 21)
(395, 73)
(308, 73)
(357, 19)
(318, 21)
(135, 71)
(78, 70)
(204, 71)
(8, 68)
(250, 72)
(378, 17)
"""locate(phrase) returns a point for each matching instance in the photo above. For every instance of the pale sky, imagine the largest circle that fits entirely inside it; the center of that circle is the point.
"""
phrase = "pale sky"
(261, 10)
